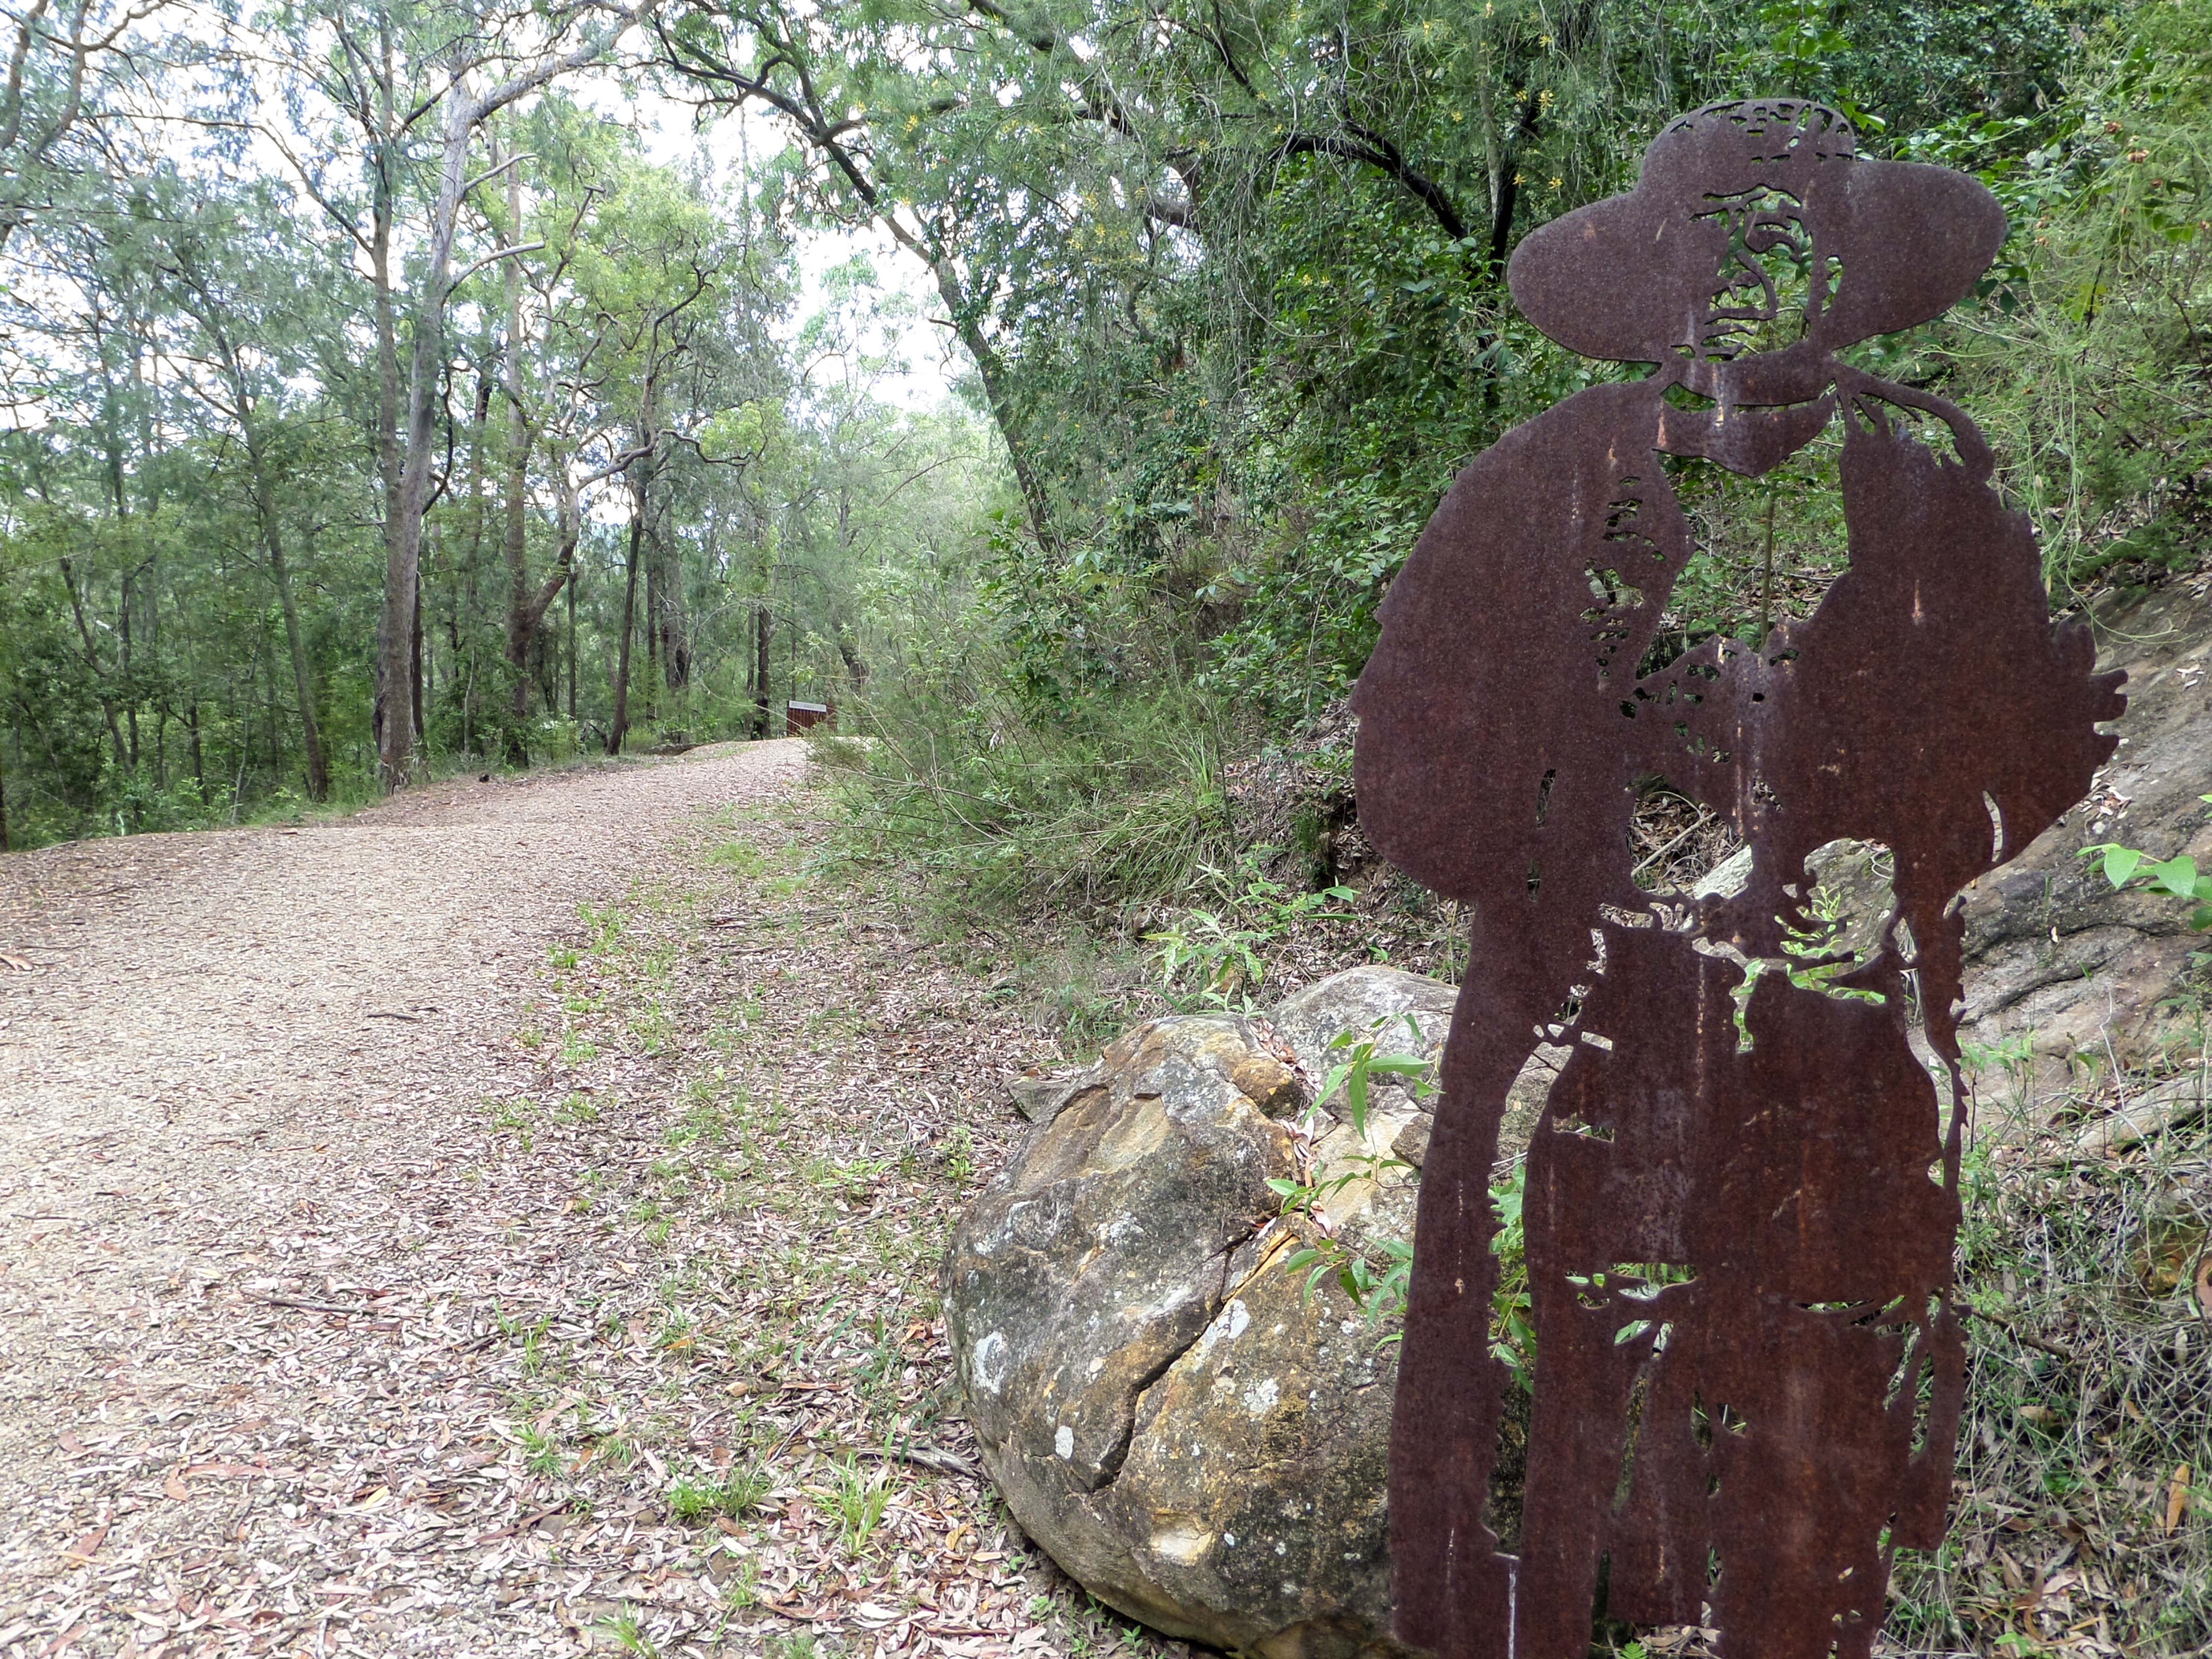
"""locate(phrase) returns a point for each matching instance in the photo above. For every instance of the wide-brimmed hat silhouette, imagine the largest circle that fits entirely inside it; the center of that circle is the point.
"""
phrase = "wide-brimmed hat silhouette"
(1644, 278)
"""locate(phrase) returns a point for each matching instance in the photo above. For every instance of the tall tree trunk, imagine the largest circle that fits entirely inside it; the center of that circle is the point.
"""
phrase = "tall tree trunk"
(991, 369)
(652, 628)
(848, 648)
(520, 624)
(572, 649)
(123, 663)
(479, 425)
(280, 571)
(382, 209)
(675, 627)
(271, 526)
(415, 659)
(92, 662)
(620, 729)
(763, 632)
(464, 112)
(404, 548)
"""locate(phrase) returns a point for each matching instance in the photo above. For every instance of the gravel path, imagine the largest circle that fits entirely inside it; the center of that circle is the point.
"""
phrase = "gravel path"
(214, 1024)
(299, 1352)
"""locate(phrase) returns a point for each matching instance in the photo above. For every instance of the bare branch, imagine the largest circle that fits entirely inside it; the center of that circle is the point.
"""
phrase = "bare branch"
(494, 259)
(491, 174)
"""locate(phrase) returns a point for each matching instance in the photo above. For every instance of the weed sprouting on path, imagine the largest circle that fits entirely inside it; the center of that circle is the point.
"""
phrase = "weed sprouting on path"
(762, 1102)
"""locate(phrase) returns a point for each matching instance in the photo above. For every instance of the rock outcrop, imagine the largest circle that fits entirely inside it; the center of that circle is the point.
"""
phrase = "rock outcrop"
(2053, 954)
(1194, 1438)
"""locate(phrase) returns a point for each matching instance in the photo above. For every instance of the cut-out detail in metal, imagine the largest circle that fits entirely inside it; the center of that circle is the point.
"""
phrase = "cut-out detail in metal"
(1741, 1202)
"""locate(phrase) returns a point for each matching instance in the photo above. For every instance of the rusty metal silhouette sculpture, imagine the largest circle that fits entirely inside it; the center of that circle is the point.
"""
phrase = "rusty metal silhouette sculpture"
(1741, 1199)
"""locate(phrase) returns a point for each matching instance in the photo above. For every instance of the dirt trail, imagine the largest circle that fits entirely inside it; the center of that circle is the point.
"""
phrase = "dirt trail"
(261, 1255)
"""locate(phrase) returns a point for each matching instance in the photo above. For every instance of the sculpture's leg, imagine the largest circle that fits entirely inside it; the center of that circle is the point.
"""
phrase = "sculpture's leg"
(1591, 1343)
(1454, 1593)
(1575, 1444)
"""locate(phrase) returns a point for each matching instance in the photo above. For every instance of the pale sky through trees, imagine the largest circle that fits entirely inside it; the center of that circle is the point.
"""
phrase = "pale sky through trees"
(931, 357)
(925, 362)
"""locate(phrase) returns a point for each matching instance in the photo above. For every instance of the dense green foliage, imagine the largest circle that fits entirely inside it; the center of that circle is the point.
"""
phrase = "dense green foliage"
(1231, 279)
(665, 495)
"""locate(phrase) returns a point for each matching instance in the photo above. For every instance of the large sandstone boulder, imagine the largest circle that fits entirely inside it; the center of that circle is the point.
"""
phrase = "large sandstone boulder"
(1194, 1438)
(2053, 954)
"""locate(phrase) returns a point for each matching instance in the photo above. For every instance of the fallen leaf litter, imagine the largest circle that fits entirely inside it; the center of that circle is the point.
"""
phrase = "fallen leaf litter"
(388, 1262)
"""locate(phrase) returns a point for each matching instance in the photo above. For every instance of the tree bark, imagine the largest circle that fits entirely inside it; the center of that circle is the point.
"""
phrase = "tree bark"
(521, 625)
(991, 369)
(269, 522)
(675, 625)
(381, 213)
(620, 727)
(123, 663)
(92, 662)
(280, 571)
(763, 632)
(403, 540)
(855, 665)
(652, 623)
(415, 659)
(480, 421)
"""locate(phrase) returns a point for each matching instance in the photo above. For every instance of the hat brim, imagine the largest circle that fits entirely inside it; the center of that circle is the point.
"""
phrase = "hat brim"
(1628, 279)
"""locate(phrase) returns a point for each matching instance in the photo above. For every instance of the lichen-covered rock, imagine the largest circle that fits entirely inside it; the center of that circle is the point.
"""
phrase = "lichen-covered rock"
(1194, 1438)
(1091, 1264)
(1380, 1000)
(1358, 1001)
(1253, 1495)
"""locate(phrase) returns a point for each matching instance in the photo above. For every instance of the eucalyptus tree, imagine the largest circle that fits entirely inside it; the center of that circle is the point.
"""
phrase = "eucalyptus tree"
(853, 87)
(1070, 171)
(487, 50)
(560, 355)
(72, 69)
(420, 84)
(1130, 207)
(250, 291)
(83, 346)
(176, 474)
(655, 279)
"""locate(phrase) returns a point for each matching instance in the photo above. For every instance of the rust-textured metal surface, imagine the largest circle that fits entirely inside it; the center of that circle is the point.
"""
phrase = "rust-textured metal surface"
(1741, 1201)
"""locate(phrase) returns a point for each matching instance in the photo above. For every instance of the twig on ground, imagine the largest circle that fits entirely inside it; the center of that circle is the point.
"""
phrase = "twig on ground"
(312, 1307)
(2042, 1345)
